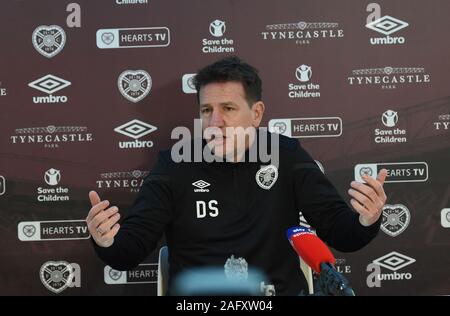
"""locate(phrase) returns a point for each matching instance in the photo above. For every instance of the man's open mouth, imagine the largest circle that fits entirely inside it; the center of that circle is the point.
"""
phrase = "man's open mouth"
(217, 138)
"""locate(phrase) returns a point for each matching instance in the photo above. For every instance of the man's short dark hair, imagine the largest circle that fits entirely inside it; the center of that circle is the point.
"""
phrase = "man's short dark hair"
(231, 69)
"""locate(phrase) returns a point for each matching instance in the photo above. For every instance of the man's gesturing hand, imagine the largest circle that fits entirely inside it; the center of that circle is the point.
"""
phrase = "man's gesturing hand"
(369, 198)
(102, 222)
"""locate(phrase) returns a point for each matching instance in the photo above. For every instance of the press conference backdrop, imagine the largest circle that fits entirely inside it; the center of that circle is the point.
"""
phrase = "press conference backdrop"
(91, 90)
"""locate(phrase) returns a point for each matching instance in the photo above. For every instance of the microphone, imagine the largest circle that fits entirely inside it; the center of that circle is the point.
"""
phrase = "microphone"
(213, 281)
(308, 246)
(316, 254)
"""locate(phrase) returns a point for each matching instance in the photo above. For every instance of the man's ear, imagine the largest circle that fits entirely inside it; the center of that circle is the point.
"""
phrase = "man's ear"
(257, 113)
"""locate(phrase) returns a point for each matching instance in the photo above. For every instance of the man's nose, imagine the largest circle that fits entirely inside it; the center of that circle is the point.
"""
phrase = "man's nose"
(216, 119)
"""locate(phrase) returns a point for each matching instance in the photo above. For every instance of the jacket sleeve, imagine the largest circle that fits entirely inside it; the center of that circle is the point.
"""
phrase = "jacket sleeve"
(142, 227)
(325, 210)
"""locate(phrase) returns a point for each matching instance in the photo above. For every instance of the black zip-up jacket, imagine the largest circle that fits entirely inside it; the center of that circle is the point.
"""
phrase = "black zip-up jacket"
(206, 224)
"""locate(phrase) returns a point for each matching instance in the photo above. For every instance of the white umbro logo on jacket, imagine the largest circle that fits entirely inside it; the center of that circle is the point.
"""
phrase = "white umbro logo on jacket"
(200, 186)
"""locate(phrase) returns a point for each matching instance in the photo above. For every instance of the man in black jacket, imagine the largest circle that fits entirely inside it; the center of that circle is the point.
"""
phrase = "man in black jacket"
(237, 210)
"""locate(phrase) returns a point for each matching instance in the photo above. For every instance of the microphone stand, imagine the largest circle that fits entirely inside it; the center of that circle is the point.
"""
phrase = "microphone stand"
(332, 283)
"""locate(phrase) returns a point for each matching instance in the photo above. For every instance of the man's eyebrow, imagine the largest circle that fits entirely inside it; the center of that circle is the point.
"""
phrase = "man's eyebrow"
(222, 104)
(228, 103)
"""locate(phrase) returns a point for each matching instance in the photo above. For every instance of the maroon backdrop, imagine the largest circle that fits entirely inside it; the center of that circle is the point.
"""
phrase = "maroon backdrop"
(379, 70)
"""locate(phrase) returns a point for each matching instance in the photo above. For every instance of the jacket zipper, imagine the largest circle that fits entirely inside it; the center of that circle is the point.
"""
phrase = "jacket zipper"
(236, 187)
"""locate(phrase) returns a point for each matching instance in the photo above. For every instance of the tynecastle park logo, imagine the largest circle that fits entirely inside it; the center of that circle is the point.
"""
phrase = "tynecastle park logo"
(51, 136)
(389, 77)
(302, 32)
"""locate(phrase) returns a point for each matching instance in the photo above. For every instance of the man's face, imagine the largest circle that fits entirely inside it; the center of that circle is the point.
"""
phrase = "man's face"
(223, 105)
